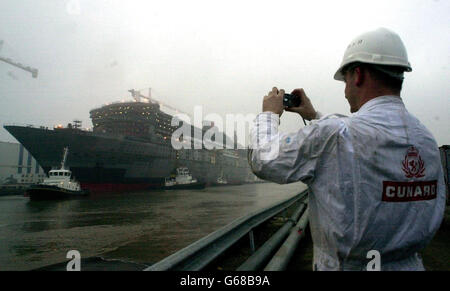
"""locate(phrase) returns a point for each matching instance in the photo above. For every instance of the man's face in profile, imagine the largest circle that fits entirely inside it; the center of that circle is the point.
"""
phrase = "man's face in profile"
(350, 91)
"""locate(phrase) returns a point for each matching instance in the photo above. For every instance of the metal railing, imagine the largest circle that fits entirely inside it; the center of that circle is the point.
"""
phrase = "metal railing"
(201, 253)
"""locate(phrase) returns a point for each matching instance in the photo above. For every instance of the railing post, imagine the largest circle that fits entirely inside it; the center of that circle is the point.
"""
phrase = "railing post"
(252, 241)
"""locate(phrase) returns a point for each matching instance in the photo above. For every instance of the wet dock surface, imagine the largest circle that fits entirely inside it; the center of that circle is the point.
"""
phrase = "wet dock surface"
(140, 228)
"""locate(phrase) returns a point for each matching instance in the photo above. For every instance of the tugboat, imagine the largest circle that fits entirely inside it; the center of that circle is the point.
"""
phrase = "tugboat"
(182, 180)
(58, 185)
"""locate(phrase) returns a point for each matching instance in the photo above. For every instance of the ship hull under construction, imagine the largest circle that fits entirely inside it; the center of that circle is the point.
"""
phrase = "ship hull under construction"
(110, 163)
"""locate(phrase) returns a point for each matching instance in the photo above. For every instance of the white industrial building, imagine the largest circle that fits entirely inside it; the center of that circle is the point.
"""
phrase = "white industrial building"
(18, 166)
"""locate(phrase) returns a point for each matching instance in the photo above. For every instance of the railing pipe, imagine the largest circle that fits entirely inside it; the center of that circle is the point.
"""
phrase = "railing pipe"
(281, 259)
(263, 254)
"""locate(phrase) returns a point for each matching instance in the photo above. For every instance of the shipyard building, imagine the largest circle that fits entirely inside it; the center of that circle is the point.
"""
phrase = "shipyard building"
(17, 166)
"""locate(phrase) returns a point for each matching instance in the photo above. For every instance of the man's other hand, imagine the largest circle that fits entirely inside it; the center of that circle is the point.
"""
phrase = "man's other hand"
(273, 101)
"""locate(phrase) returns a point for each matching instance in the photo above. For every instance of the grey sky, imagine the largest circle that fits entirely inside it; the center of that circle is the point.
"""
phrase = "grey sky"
(224, 55)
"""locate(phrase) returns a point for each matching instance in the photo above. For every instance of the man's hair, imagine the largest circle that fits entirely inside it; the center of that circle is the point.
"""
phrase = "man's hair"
(389, 76)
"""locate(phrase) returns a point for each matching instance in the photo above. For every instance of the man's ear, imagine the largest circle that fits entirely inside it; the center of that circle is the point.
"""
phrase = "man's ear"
(359, 76)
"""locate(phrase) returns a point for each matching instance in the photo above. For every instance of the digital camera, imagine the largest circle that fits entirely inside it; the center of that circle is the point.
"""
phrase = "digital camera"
(290, 100)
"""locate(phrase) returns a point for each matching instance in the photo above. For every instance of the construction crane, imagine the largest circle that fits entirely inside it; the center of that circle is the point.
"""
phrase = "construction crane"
(33, 71)
(137, 96)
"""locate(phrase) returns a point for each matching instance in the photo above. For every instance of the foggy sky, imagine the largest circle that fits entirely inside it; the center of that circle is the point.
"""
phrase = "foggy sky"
(223, 55)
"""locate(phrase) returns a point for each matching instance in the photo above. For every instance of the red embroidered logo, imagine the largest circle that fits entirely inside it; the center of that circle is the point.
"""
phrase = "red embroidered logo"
(413, 165)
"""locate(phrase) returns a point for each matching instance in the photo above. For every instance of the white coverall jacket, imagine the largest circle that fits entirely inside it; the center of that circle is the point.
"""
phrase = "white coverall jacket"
(375, 181)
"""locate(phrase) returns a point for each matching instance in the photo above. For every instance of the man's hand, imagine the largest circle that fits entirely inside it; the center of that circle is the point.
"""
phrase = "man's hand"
(273, 101)
(306, 109)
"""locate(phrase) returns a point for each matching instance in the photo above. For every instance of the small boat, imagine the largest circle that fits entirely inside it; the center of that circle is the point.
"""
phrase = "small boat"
(221, 180)
(58, 185)
(183, 180)
(13, 189)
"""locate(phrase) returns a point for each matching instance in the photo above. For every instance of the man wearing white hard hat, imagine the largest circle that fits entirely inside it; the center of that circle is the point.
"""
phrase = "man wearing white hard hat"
(375, 179)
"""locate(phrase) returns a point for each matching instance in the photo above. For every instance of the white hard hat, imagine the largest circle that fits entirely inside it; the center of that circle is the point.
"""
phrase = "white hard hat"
(381, 47)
